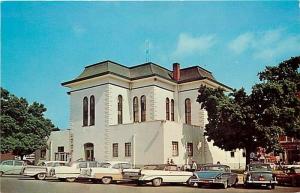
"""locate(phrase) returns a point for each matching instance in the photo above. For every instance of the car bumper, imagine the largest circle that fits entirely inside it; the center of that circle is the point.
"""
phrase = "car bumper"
(201, 181)
(261, 182)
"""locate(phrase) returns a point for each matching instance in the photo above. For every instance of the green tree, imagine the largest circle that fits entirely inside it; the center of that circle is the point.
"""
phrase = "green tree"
(24, 128)
(247, 121)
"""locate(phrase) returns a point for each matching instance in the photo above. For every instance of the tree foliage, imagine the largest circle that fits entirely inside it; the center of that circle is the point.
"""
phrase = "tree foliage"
(247, 121)
(24, 128)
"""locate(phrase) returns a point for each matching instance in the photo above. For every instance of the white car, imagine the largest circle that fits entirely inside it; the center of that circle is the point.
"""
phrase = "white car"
(106, 172)
(71, 171)
(42, 170)
(157, 174)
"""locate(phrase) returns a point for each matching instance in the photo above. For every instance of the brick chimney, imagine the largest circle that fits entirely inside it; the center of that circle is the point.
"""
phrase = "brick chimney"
(176, 71)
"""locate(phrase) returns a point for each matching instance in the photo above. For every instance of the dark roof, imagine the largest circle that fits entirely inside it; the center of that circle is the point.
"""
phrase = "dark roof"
(142, 71)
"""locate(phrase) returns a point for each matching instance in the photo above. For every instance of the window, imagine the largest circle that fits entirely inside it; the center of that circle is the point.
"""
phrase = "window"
(188, 111)
(116, 166)
(82, 165)
(115, 150)
(85, 111)
(143, 108)
(120, 109)
(167, 109)
(232, 154)
(18, 163)
(127, 149)
(43, 153)
(92, 110)
(60, 149)
(175, 148)
(8, 163)
(244, 153)
(135, 109)
(172, 110)
(125, 165)
(189, 149)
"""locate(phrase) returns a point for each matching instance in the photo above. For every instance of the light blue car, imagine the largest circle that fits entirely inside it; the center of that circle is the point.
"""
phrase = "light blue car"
(11, 167)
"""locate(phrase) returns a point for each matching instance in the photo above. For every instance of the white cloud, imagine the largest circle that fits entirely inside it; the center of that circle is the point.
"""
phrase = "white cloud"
(266, 45)
(241, 43)
(78, 29)
(188, 45)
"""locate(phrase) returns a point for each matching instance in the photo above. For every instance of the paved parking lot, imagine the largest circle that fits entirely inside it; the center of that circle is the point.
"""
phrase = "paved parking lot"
(19, 184)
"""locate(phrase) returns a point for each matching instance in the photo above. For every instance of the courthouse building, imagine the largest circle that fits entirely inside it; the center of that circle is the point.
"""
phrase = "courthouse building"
(145, 114)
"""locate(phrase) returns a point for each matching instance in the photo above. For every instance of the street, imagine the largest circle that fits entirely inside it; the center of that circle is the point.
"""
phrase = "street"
(20, 184)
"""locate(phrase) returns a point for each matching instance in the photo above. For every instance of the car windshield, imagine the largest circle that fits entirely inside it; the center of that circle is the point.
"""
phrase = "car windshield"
(104, 165)
(214, 168)
(260, 167)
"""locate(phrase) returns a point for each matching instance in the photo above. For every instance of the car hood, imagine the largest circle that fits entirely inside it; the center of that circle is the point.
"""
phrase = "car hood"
(207, 174)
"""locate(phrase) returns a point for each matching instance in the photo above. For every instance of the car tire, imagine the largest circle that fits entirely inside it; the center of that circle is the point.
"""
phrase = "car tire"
(70, 179)
(41, 176)
(106, 180)
(1, 173)
(225, 184)
(156, 182)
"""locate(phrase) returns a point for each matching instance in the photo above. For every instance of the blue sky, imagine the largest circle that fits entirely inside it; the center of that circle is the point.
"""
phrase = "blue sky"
(46, 43)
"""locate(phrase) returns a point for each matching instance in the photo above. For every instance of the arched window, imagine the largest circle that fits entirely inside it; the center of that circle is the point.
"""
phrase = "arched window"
(172, 110)
(85, 111)
(188, 111)
(120, 109)
(92, 110)
(143, 108)
(167, 109)
(135, 109)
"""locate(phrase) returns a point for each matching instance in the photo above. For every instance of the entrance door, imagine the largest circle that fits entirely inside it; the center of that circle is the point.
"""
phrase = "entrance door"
(89, 151)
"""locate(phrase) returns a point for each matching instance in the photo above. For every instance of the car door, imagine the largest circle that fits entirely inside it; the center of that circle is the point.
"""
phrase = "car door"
(7, 166)
(18, 166)
(173, 175)
(116, 171)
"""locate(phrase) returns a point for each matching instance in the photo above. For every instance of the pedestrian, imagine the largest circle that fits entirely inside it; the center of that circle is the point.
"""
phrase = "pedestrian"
(171, 162)
(194, 166)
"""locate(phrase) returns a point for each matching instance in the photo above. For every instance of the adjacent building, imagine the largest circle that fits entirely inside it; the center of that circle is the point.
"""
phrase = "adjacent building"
(145, 114)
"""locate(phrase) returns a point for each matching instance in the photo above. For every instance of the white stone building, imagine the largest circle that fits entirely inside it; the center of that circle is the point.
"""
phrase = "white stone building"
(144, 114)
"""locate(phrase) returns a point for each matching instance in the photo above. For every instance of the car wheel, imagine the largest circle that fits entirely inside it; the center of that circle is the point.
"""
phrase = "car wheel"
(225, 184)
(156, 182)
(106, 180)
(1, 173)
(70, 179)
(41, 176)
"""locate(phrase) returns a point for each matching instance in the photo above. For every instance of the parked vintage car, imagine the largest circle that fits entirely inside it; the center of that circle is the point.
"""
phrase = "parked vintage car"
(42, 170)
(259, 174)
(157, 174)
(290, 176)
(215, 175)
(106, 172)
(71, 171)
(11, 167)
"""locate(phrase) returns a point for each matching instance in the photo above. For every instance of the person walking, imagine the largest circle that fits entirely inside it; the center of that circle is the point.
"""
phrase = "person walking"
(194, 166)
